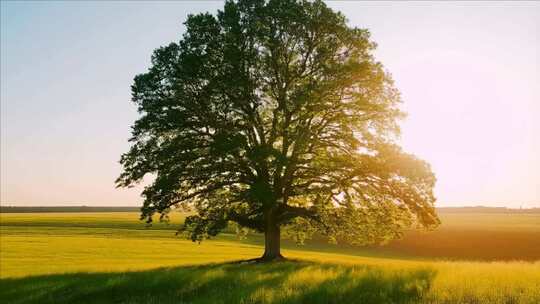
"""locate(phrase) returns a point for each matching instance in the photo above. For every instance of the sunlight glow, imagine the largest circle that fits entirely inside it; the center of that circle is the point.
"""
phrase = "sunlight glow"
(469, 74)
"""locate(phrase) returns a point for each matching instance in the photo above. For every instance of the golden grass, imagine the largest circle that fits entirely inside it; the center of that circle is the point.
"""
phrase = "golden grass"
(53, 246)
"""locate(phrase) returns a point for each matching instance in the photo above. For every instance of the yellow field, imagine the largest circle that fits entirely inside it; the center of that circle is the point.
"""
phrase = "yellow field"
(46, 249)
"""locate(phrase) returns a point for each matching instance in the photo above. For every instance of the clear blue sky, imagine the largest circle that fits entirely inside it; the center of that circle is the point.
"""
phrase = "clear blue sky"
(469, 74)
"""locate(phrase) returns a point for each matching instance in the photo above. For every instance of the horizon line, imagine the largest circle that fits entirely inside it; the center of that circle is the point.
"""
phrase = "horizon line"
(17, 205)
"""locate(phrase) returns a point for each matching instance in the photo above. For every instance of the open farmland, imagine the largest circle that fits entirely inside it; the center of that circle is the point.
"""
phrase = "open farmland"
(113, 258)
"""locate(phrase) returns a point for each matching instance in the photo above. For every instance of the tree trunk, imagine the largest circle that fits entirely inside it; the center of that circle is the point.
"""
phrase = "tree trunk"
(272, 249)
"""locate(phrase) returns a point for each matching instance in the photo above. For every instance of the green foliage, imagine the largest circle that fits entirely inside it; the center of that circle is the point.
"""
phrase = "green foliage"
(273, 113)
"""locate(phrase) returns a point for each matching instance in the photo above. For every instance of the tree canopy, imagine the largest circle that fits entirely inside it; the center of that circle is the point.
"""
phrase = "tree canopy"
(270, 114)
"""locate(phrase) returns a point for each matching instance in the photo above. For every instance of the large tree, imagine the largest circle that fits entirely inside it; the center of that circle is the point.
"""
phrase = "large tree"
(272, 114)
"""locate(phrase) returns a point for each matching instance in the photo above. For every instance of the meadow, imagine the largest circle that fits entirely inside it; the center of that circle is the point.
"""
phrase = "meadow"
(112, 258)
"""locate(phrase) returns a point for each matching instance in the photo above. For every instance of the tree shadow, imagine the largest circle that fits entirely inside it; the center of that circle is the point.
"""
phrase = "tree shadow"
(363, 284)
(282, 282)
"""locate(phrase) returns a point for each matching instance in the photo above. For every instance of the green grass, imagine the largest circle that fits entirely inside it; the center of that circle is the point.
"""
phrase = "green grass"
(119, 220)
(112, 258)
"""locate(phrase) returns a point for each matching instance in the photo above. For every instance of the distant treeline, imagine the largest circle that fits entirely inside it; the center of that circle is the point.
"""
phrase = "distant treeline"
(13, 209)
(481, 209)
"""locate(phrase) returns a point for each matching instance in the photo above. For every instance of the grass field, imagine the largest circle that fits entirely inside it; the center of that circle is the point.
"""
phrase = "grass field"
(112, 258)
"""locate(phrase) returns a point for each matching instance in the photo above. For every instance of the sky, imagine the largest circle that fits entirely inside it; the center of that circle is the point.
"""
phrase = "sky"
(469, 74)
